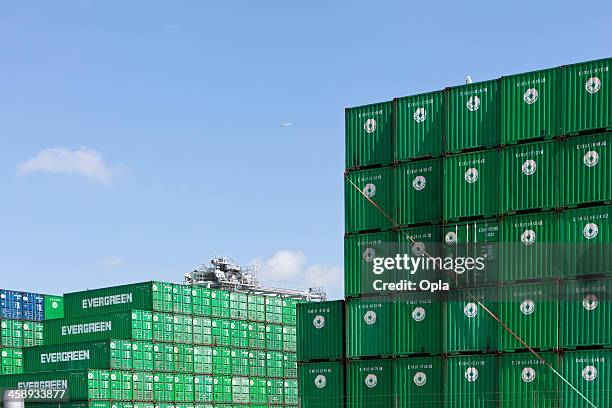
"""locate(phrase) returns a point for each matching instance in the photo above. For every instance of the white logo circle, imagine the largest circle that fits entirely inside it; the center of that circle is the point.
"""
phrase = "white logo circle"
(54, 305)
(471, 374)
(530, 96)
(318, 322)
(371, 380)
(529, 167)
(590, 302)
(591, 158)
(589, 373)
(370, 317)
(470, 310)
(420, 379)
(451, 237)
(590, 230)
(473, 103)
(369, 190)
(592, 85)
(419, 183)
(527, 307)
(528, 374)
(320, 381)
(418, 249)
(370, 126)
(369, 254)
(418, 314)
(471, 175)
(528, 237)
(420, 115)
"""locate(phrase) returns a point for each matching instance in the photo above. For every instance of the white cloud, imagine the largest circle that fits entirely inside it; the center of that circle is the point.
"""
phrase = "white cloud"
(290, 269)
(114, 262)
(61, 160)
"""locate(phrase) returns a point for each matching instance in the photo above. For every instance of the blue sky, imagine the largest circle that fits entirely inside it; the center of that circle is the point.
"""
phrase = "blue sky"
(138, 139)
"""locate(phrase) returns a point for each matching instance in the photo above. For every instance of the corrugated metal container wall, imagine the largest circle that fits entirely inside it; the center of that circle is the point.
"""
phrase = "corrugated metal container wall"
(419, 125)
(321, 385)
(11, 304)
(585, 305)
(418, 192)
(525, 381)
(369, 327)
(586, 169)
(468, 327)
(32, 334)
(11, 361)
(529, 177)
(82, 384)
(73, 356)
(529, 104)
(54, 307)
(471, 185)
(472, 116)
(532, 311)
(418, 382)
(320, 328)
(359, 253)
(471, 381)
(417, 323)
(369, 132)
(586, 235)
(587, 96)
(418, 241)
(530, 244)
(370, 383)
(590, 372)
(360, 213)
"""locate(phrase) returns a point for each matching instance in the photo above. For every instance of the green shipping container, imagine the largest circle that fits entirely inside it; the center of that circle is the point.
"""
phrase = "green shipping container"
(419, 125)
(418, 382)
(471, 381)
(274, 364)
(370, 383)
(143, 356)
(11, 361)
(256, 308)
(202, 330)
(222, 389)
(257, 336)
(417, 323)
(289, 311)
(163, 357)
(418, 192)
(274, 337)
(220, 303)
(530, 105)
(589, 371)
(530, 176)
(526, 381)
(321, 385)
(163, 327)
(587, 96)
(368, 132)
(163, 387)
(320, 330)
(291, 392)
(201, 301)
(184, 358)
(203, 388)
(276, 391)
(221, 332)
(274, 309)
(182, 296)
(289, 338)
(54, 307)
(121, 386)
(202, 360)
(416, 242)
(143, 386)
(290, 365)
(239, 332)
(359, 253)
(258, 363)
(240, 362)
(32, 334)
(471, 185)
(12, 333)
(376, 187)
(472, 116)
(238, 305)
(586, 169)
(258, 392)
(183, 387)
(241, 390)
(183, 329)
(222, 361)
(369, 327)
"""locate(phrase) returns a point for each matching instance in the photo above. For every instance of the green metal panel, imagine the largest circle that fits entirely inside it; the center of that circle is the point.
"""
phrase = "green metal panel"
(274, 309)
(370, 383)
(163, 387)
(530, 246)
(12, 333)
(585, 172)
(368, 132)
(11, 361)
(182, 296)
(143, 386)
(289, 338)
(143, 356)
(419, 125)
(525, 381)
(321, 385)
(121, 386)
(222, 389)
(369, 327)
(376, 186)
(220, 329)
(274, 364)
(289, 365)
(471, 381)
(418, 382)
(584, 306)
(276, 391)
(415, 242)
(202, 330)
(201, 301)
(220, 303)
(239, 332)
(54, 306)
(183, 329)
(289, 311)
(163, 355)
(240, 390)
(183, 387)
(418, 192)
(320, 328)
(468, 327)
(473, 116)
(530, 176)
(532, 312)
(256, 308)
(471, 185)
(417, 323)
(274, 337)
(587, 96)
(183, 358)
(589, 371)
(258, 391)
(163, 327)
(530, 105)
(222, 361)
(32, 334)
(238, 305)
(257, 336)
(240, 362)
(258, 363)
(202, 359)
(203, 388)
(290, 392)
(359, 253)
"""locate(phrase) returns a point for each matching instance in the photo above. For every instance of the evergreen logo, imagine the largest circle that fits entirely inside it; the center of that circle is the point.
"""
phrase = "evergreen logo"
(451, 237)
(591, 158)
(420, 379)
(470, 310)
(531, 96)
(593, 85)
(590, 302)
(320, 381)
(527, 307)
(471, 175)
(370, 126)
(420, 115)
(318, 322)
(369, 254)
(589, 373)
(369, 190)
(418, 314)
(473, 103)
(371, 380)
(590, 230)
(370, 317)
(54, 305)
(528, 237)
(419, 183)
(418, 249)
(471, 374)
(529, 167)
(528, 374)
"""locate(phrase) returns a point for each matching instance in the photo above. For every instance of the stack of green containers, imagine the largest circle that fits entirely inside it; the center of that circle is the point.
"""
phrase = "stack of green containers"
(484, 169)
(157, 344)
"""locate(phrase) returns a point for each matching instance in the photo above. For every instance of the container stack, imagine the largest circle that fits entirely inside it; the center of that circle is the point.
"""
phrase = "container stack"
(157, 344)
